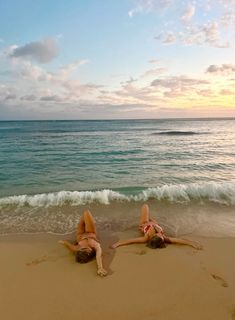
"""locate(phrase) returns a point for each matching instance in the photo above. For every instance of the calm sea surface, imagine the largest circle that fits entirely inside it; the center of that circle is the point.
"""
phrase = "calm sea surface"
(53, 163)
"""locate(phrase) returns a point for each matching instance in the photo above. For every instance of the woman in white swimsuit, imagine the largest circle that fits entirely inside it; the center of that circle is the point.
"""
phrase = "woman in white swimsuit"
(153, 234)
(87, 246)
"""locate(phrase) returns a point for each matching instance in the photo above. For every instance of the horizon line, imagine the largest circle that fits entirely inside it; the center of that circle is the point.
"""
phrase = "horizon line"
(124, 119)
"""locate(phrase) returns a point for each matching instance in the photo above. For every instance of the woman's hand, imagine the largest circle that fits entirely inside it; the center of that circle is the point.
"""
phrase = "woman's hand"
(102, 272)
(115, 245)
(197, 246)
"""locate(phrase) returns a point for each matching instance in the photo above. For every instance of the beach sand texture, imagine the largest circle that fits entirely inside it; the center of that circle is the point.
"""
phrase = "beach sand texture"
(40, 280)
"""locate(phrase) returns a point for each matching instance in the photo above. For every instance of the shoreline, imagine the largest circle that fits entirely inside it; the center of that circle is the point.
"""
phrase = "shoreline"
(40, 279)
(177, 219)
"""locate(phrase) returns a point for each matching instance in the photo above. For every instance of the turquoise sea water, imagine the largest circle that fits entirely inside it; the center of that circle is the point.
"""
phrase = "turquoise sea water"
(55, 166)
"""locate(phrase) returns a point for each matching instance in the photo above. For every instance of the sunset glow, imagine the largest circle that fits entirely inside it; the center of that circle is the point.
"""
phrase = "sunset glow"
(117, 59)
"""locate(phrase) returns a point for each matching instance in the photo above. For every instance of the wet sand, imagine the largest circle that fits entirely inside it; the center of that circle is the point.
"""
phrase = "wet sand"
(40, 280)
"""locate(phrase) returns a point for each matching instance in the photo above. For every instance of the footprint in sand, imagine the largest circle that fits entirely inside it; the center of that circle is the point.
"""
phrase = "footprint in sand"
(223, 283)
(42, 259)
(202, 266)
(37, 261)
(141, 252)
(233, 314)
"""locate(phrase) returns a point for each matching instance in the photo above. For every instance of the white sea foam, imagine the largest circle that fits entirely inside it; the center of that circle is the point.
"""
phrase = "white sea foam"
(223, 193)
(63, 197)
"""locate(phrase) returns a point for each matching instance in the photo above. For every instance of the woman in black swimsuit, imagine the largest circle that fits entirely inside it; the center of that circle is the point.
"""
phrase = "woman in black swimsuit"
(88, 246)
(153, 234)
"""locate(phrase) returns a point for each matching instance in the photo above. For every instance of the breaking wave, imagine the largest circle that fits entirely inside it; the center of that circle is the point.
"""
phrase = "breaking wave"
(223, 192)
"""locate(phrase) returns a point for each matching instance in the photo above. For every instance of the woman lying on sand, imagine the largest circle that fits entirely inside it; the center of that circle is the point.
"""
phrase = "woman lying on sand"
(153, 234)
(88, 245)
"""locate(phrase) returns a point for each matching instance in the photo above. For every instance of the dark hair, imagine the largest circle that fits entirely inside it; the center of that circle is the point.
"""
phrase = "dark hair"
(83, 256)
(156, 242)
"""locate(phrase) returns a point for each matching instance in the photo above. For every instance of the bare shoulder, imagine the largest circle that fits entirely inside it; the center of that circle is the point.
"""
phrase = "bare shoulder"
(95, 244)
(167, 239)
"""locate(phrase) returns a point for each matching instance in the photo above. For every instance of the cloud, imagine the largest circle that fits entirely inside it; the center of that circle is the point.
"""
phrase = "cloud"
(128, 82)
(66, 71)
(196, 35)
(32, 82)
(206, 93)
(51, 98)
(189, 13)
(74, 90)
(178, 86)
(42, 51)
(11, 97)
(224, 69)
(62, 93)
(28, 97)
(227, 3)
(169, 38)
(153, 61)
(28, 71)
(215, 31)
(7, 92)
(130, 93)
(228, 19)
(210, 33)
(149, 6)
(178, 81)
(227, 92)
(154, 72)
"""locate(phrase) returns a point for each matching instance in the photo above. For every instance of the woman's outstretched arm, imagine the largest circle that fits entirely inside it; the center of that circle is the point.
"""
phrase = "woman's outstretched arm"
(68, 245)
(129, 241)
(100, 269)
(193, 244)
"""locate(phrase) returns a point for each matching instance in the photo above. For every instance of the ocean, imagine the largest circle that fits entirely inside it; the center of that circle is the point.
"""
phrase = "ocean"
(184, 169)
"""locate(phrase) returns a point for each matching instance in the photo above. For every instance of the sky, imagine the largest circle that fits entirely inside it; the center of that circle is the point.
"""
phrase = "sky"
(117, 59)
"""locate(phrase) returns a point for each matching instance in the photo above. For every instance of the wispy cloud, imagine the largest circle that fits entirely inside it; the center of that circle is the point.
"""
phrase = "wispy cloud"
(182, 82)
(228, 19)
(51, 98)
(154, 72)
(67, 70)
(167, 38)
(28, 97)
(209, 34)
(189, 13)
(206, 93)
(154, 61)
(227, 92)
(33, 86)
(149, 6)
(214, 31)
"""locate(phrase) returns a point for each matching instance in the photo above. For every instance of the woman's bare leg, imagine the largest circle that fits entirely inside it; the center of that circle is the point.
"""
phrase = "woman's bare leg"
(86, 223)
(144, 214)
(81, 226)
(89, 222)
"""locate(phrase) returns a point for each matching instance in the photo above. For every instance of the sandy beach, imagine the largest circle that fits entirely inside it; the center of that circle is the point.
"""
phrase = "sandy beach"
(40, 280)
